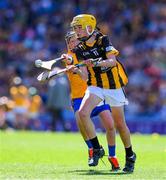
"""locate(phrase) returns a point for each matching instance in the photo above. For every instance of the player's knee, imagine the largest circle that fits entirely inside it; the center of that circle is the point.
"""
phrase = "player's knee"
(83, 114)
(120, 126)
(109, 125)
(110, 128)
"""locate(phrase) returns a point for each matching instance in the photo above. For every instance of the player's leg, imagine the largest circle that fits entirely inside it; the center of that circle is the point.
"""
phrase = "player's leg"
(76, 106)
(85, 137)
(108, 124)
(120, 124)
(117, 100)
(119, 119)
(103, 110)
(82, 130)
(88, 103)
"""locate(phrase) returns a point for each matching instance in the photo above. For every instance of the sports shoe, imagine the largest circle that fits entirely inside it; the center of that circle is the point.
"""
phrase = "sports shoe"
(97, 154)
(114, 163)
(90, 152)
(90, 158)
(130, 162)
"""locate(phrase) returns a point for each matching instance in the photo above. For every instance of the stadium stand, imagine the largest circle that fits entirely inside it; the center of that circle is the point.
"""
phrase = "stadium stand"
(32, 30)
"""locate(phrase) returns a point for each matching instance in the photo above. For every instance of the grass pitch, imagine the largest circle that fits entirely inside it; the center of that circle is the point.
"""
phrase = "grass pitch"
(60, 156)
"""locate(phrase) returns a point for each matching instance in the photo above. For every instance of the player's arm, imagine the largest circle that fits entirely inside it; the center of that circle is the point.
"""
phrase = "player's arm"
(109, 62)
(81, 71)
(110, 53)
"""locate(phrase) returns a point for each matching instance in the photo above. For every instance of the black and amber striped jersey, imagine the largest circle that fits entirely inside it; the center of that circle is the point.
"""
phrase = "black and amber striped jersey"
(104, 77)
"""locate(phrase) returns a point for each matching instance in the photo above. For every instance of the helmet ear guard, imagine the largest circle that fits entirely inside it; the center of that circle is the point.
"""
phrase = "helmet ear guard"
(89, 30)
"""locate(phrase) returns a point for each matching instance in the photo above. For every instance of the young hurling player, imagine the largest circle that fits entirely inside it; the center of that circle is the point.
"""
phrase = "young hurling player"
(105, 80)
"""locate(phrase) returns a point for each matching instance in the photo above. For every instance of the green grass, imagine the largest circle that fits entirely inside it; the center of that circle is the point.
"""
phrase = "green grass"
(32, 155)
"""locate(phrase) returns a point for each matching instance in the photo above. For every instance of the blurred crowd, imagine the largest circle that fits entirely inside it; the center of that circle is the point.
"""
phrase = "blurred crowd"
(35, 29)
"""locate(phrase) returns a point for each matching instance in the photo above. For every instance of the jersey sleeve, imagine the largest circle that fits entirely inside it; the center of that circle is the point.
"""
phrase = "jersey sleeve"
(108, 47)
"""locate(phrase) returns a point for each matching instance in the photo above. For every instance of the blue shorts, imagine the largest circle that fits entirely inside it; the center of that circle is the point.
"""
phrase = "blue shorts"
(96, 111)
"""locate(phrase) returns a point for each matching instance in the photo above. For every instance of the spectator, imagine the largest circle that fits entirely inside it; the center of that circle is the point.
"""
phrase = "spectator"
(58, 100)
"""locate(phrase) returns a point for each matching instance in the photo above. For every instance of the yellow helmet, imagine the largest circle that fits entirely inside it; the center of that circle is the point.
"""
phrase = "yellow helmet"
(84, 20)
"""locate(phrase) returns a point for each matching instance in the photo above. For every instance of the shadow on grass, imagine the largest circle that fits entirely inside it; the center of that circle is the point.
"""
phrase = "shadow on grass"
(96, 172)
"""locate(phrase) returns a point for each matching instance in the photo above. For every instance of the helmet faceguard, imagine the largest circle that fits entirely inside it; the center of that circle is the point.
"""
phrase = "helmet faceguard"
(68, 36)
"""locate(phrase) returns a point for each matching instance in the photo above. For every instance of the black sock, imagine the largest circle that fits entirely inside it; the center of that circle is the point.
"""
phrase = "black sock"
(129, 151)
(95, 143)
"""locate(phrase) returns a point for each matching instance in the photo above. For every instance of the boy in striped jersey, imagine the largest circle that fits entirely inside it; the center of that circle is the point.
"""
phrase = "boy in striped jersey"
(105, 80)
